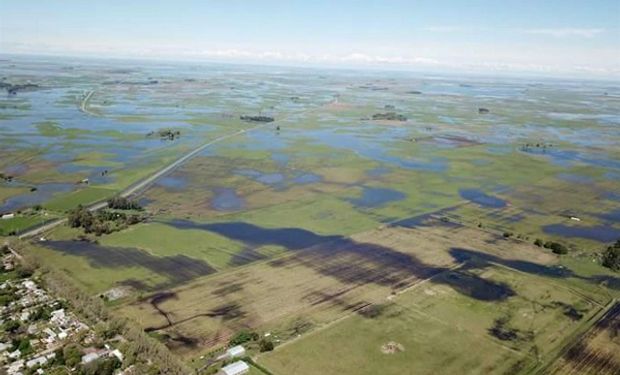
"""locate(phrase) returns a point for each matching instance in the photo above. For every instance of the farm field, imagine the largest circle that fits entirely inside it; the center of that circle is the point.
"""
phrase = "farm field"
(428, 329)
(596, 352)
(381, 221)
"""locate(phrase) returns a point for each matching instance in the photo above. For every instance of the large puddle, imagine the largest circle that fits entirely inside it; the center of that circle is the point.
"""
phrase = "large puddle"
(377, 197)
(481, 198)
(43, 193)
(601, 233)
(227, 200)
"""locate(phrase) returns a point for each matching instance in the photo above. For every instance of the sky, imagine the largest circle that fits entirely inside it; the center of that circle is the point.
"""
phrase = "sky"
(549, 37)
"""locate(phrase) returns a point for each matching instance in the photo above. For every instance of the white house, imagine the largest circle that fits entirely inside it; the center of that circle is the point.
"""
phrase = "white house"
(37, 361)
(117, 353)
(86, 358)
(8, 216)
(235, 368)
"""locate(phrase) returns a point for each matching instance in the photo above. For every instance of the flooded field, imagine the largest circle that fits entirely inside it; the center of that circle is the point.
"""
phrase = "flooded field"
(364, 186)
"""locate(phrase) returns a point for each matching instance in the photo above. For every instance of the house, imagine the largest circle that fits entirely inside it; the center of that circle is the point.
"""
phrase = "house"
(14, 367)
(30, 285)
(16, 354)
(4, 347)
(59, 317)
(86, 358)
(235, 368)
(235, 351)
(37, 361)
(117, 353)
(8, 216)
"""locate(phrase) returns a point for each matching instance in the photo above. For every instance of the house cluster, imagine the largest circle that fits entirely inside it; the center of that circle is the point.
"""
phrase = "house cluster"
(35, 325)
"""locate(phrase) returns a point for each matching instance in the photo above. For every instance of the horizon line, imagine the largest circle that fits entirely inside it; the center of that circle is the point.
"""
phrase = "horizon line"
(325, 65)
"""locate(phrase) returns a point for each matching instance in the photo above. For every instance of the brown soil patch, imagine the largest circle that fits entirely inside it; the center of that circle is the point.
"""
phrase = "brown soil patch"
(392, 348)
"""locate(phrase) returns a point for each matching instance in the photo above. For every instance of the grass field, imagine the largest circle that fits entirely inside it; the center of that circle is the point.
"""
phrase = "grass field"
(440, 331)
(336, 277)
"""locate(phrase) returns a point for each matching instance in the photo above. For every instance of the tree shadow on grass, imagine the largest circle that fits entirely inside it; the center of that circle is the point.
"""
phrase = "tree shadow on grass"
(178, 269)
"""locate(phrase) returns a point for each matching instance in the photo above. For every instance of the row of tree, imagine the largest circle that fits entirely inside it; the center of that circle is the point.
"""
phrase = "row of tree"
(103, 221)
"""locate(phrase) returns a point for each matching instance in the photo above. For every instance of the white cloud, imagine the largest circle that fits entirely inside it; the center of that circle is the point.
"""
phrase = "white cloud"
(565, 32)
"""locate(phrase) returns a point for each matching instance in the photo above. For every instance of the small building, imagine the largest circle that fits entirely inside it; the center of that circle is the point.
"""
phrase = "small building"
(37, 361)
(235, 351)
(15, 367)
(8, 216)
(30, 285)
(4, 347)
(87, 358)
(16, 354)
(235, 368)
(117, 353)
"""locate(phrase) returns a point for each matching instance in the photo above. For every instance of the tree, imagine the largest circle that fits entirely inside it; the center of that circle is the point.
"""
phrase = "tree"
(611, 257)
(72, 355)
(265, 345)
(12, 326)
(24, 346)
(539, 242)
(243, 337)
(80, 217)
(102, 366)
(122, 203)
(557, 248)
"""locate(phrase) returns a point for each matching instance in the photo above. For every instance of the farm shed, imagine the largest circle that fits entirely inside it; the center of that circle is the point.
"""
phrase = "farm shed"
(236, 368)
(235, 351)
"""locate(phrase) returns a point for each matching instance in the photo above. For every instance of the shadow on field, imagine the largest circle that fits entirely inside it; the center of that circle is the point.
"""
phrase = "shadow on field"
(254, 236)
(177, 269)
(352, 262)
(225, 312)
(477, 259)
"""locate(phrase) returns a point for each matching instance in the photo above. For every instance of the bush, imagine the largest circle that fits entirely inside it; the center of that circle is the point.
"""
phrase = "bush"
(507, 234)
(243, 337)
(557, 248)
(611, 257)
(539, 242)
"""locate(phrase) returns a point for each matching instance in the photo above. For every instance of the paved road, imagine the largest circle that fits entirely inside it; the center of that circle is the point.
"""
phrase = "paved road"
(84, 103)
(137, 187)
